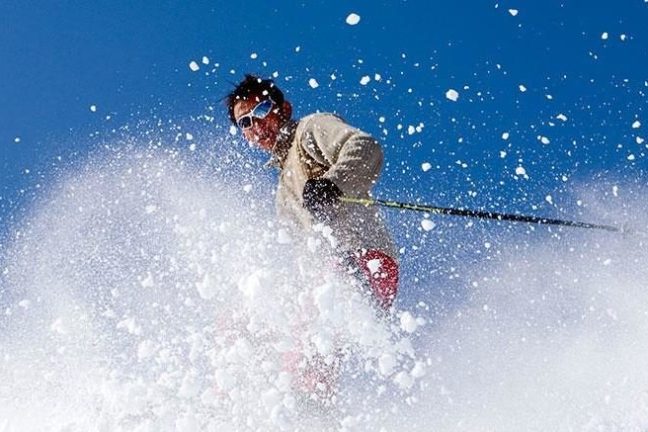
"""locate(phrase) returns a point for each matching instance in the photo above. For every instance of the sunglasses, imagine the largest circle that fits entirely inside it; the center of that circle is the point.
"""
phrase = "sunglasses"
(260, 111)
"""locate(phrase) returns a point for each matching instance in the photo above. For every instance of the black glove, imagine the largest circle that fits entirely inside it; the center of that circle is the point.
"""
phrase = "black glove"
(321, 198)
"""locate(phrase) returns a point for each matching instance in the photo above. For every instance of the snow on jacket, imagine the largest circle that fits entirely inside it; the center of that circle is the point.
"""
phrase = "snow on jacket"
(323, 145)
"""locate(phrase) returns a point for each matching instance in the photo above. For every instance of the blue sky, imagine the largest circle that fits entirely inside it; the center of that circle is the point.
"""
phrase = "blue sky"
(130, 60)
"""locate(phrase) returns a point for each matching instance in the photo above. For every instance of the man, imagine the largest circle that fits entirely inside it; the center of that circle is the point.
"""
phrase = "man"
(321, 159)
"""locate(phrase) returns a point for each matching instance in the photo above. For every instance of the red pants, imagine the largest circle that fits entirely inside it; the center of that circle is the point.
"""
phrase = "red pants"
(381, 273)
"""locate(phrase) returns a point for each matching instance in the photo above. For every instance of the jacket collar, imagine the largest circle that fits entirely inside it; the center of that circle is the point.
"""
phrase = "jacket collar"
(282, 145)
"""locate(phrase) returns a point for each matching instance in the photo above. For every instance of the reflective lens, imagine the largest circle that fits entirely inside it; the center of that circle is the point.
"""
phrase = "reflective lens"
(260, 111)
(245, 122)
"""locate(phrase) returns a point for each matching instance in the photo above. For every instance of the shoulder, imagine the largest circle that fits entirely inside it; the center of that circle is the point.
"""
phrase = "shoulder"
(320, 121)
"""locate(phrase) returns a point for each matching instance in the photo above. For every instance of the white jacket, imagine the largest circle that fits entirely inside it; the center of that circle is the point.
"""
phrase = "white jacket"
(323, 145)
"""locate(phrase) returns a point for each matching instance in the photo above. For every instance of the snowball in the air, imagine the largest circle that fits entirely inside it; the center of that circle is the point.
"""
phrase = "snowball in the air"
(427, 224)
(426, 166)
(353, 19)
(313, 83)
(513, 12)
(365, 80)
(193, 66)
(452, 95)
(636, 124)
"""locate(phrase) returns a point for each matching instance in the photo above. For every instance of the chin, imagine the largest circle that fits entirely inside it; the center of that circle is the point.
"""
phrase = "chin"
(265, 143)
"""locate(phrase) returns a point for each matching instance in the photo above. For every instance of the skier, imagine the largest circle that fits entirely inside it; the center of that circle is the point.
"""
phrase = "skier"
(321, 158)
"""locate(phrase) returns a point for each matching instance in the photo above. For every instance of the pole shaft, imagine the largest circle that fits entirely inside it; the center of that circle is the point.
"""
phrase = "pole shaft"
(478, 214)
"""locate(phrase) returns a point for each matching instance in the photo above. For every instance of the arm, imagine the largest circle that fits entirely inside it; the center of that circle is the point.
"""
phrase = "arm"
(354, 157)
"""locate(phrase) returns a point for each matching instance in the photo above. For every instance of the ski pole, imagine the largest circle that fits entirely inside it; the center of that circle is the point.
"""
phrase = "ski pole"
(478, 214)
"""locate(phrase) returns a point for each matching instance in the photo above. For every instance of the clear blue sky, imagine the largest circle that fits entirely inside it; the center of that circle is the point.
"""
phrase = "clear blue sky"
(130, 60)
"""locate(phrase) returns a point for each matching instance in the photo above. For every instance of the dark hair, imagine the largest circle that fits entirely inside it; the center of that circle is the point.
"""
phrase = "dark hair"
(253, 86)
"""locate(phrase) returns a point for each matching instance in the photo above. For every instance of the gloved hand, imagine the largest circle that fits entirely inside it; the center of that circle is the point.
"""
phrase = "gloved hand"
(321, 198)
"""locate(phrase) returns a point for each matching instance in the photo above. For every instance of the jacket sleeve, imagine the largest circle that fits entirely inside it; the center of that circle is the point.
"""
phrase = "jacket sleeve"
(354, 158)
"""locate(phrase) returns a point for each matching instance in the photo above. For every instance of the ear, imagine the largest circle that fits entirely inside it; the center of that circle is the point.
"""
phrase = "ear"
(286, 110)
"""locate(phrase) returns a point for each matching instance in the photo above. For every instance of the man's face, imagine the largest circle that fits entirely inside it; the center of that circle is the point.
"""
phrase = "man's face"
(263, 132)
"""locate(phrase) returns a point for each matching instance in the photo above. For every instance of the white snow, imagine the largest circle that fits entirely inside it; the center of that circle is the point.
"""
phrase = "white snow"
(452, 95)
(513, 12)
(386, 364)
(561, 117)
(148, 281)
(365, 80)
(313, 83)
(636, 124)
(427, 224)
(206, 288)
(426, 166)
(543, 139)
(233, 130)
(604, 35)
(205, 60)
(353, 19)
(408, 322)
(17, 140)
(520, 171)
(522, 88)
(93, 108)
(253, 56)
(505, 136)
(194, 66)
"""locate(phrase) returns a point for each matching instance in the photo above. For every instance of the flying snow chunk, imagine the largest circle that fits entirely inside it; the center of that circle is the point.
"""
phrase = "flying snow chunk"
(513, 12)
(194, 66)
(452, 95)
(233, 130)
(17, 140)
(549, 199)
(426, 166)
(505, 136)
(365, 80)
(205, 60)
(427, 225)
(408, 323)
(93, 108)
(522, 88)
(562, 117)
(520, 171)
(544, 139)
(313, 83)
(636, 124)
(206, 287)
(353, 19)
(253, 56)
(605, 36)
